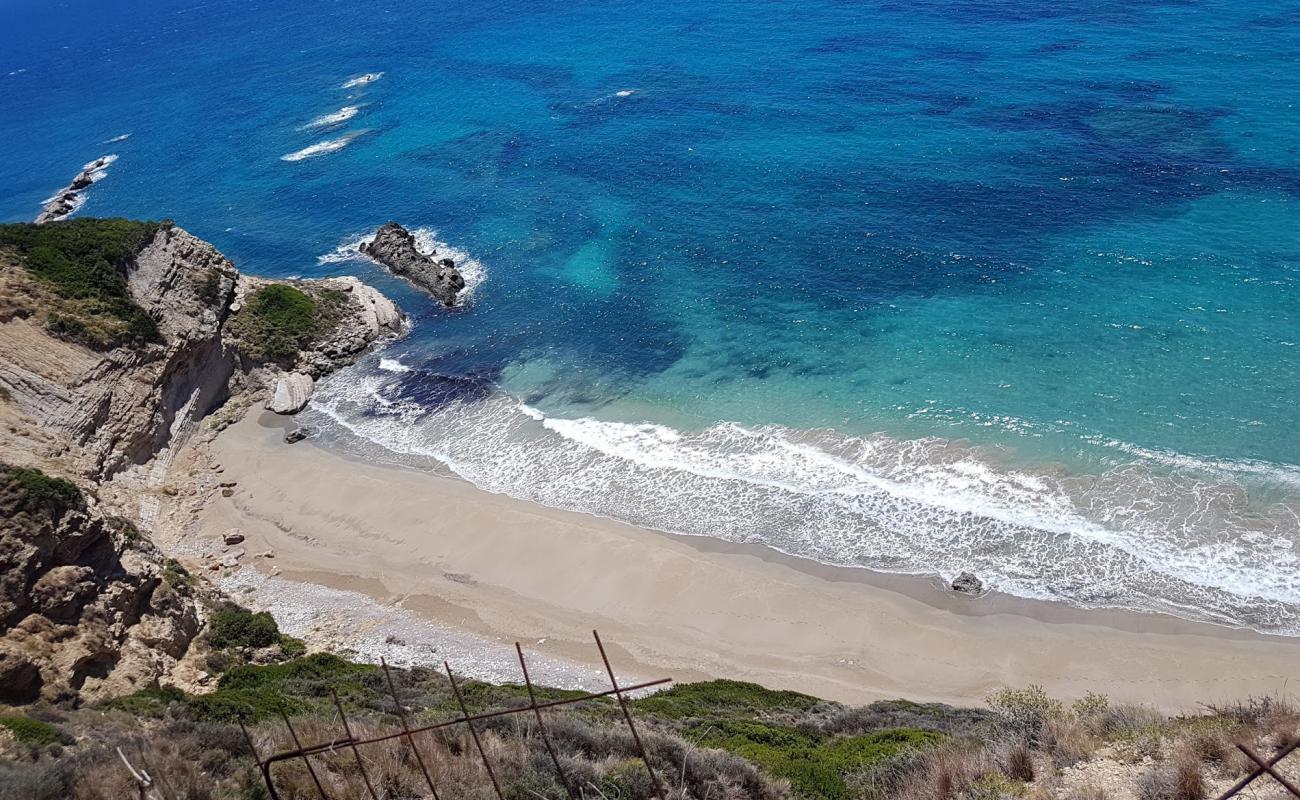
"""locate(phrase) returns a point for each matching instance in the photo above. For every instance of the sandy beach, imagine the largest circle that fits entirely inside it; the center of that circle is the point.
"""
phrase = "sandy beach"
(688, 608)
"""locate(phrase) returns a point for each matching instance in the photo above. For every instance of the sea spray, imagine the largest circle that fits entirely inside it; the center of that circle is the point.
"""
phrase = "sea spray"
(1135, 537)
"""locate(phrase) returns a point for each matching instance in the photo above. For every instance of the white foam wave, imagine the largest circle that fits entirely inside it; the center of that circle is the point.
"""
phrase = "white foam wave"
(393, 365)
(121, 138)
(362, 80)
(1128, 538)
(321, 148)
(427, 242)
(336, 118)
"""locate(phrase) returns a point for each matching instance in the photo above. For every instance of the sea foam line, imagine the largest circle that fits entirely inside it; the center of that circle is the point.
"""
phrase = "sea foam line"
(1129, 538)
(323, 147)
(336, 118)
(362, 80)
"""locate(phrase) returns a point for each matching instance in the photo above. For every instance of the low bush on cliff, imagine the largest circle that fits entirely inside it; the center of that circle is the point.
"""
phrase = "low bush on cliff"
(279, 320)
(34, 732)
(83, 262)
(41, 488)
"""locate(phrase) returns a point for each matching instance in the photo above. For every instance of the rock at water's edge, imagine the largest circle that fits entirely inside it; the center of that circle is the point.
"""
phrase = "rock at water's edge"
(292, 392)
(297, 435)
(967, 583)
(394, 247)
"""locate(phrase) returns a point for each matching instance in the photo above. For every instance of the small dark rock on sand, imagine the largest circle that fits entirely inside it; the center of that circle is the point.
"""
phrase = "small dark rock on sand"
(967, 583)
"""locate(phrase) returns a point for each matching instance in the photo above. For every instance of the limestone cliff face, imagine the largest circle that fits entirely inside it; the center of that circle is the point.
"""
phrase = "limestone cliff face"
(87, 606)
(102, 412)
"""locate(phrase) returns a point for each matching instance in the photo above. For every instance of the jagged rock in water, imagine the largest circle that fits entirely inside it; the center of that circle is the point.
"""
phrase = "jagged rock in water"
(967, 583)
(292, 391)
(297, 435)
(69, 198)
(394, 247)
(82, 612)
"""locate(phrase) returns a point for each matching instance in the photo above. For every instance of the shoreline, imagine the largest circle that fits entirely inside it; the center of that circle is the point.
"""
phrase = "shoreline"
(694, 607)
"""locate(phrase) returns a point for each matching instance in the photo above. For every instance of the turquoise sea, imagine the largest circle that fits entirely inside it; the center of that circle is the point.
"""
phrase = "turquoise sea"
(923, 287)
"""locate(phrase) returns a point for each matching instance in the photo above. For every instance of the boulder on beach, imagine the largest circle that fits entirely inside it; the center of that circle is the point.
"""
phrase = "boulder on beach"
(394, 247)
(292, 391)
(967, 583)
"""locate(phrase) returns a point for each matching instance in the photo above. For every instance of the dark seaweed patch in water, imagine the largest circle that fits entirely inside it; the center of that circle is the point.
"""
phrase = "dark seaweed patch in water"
(434, 390)
(534, 76)
(1063, 46)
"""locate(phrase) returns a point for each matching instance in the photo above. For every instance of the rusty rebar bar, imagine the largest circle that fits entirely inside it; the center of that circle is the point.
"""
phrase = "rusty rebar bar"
(1266, 767)
(293, 735)
(336, 743)
(464, 710)
(541, 726)
(406, 728)
(356, 752)
(1246, 781)
(627, 715)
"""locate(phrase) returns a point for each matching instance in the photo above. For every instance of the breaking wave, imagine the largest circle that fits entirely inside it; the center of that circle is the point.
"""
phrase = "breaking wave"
(1139, 536)
(361, 80)
(336, 118)
(323, 147)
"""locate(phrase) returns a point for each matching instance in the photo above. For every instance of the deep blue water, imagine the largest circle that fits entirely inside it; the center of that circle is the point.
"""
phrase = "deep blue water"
(918, 286)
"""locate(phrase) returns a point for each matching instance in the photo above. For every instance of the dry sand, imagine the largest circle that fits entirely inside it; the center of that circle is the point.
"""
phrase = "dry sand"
(505, 569)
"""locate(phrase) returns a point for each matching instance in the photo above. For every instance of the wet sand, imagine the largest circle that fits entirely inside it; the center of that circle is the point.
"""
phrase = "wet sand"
(691, 608)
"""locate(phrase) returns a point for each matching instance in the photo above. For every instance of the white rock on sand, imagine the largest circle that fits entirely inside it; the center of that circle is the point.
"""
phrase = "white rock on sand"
(292, 391)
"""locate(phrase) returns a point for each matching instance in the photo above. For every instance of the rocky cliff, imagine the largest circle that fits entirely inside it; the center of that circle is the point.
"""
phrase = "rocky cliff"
(87, 606)
(395, 248)
(100, 410)
(117, 339)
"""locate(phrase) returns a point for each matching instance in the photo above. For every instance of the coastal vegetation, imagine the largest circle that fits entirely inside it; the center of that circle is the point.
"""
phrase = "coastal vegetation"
(717, 739)
(41, 488)
(79, 285)
(280, 320)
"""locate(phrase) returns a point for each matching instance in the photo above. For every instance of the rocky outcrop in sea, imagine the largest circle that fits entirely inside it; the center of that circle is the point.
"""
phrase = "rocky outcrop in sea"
(395, 248)
(71, 197)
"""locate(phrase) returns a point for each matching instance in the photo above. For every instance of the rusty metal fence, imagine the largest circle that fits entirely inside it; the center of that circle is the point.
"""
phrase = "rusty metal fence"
(1263, 768)
(349, 741)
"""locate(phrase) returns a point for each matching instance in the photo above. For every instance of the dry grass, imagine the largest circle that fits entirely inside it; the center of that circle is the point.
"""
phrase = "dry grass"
(1182, 779)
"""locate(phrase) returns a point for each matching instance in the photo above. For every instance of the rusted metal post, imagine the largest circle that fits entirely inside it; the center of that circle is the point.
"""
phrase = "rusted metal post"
(541, 726)
(1246, 781)
(1267, 767)
(627, 715)
(293, 735)
(327, 747)
(464, 710)
(406, 728)
(347, 729)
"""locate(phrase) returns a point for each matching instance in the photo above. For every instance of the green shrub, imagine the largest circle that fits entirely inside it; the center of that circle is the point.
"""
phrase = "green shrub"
(233, 626)
(34, 732)
(85, 260)
(209, 286)
(1026, 711)
(817, 766)
(291, 647)
(42, 488)
(722, 698)
(175, 574)
(279, 320)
